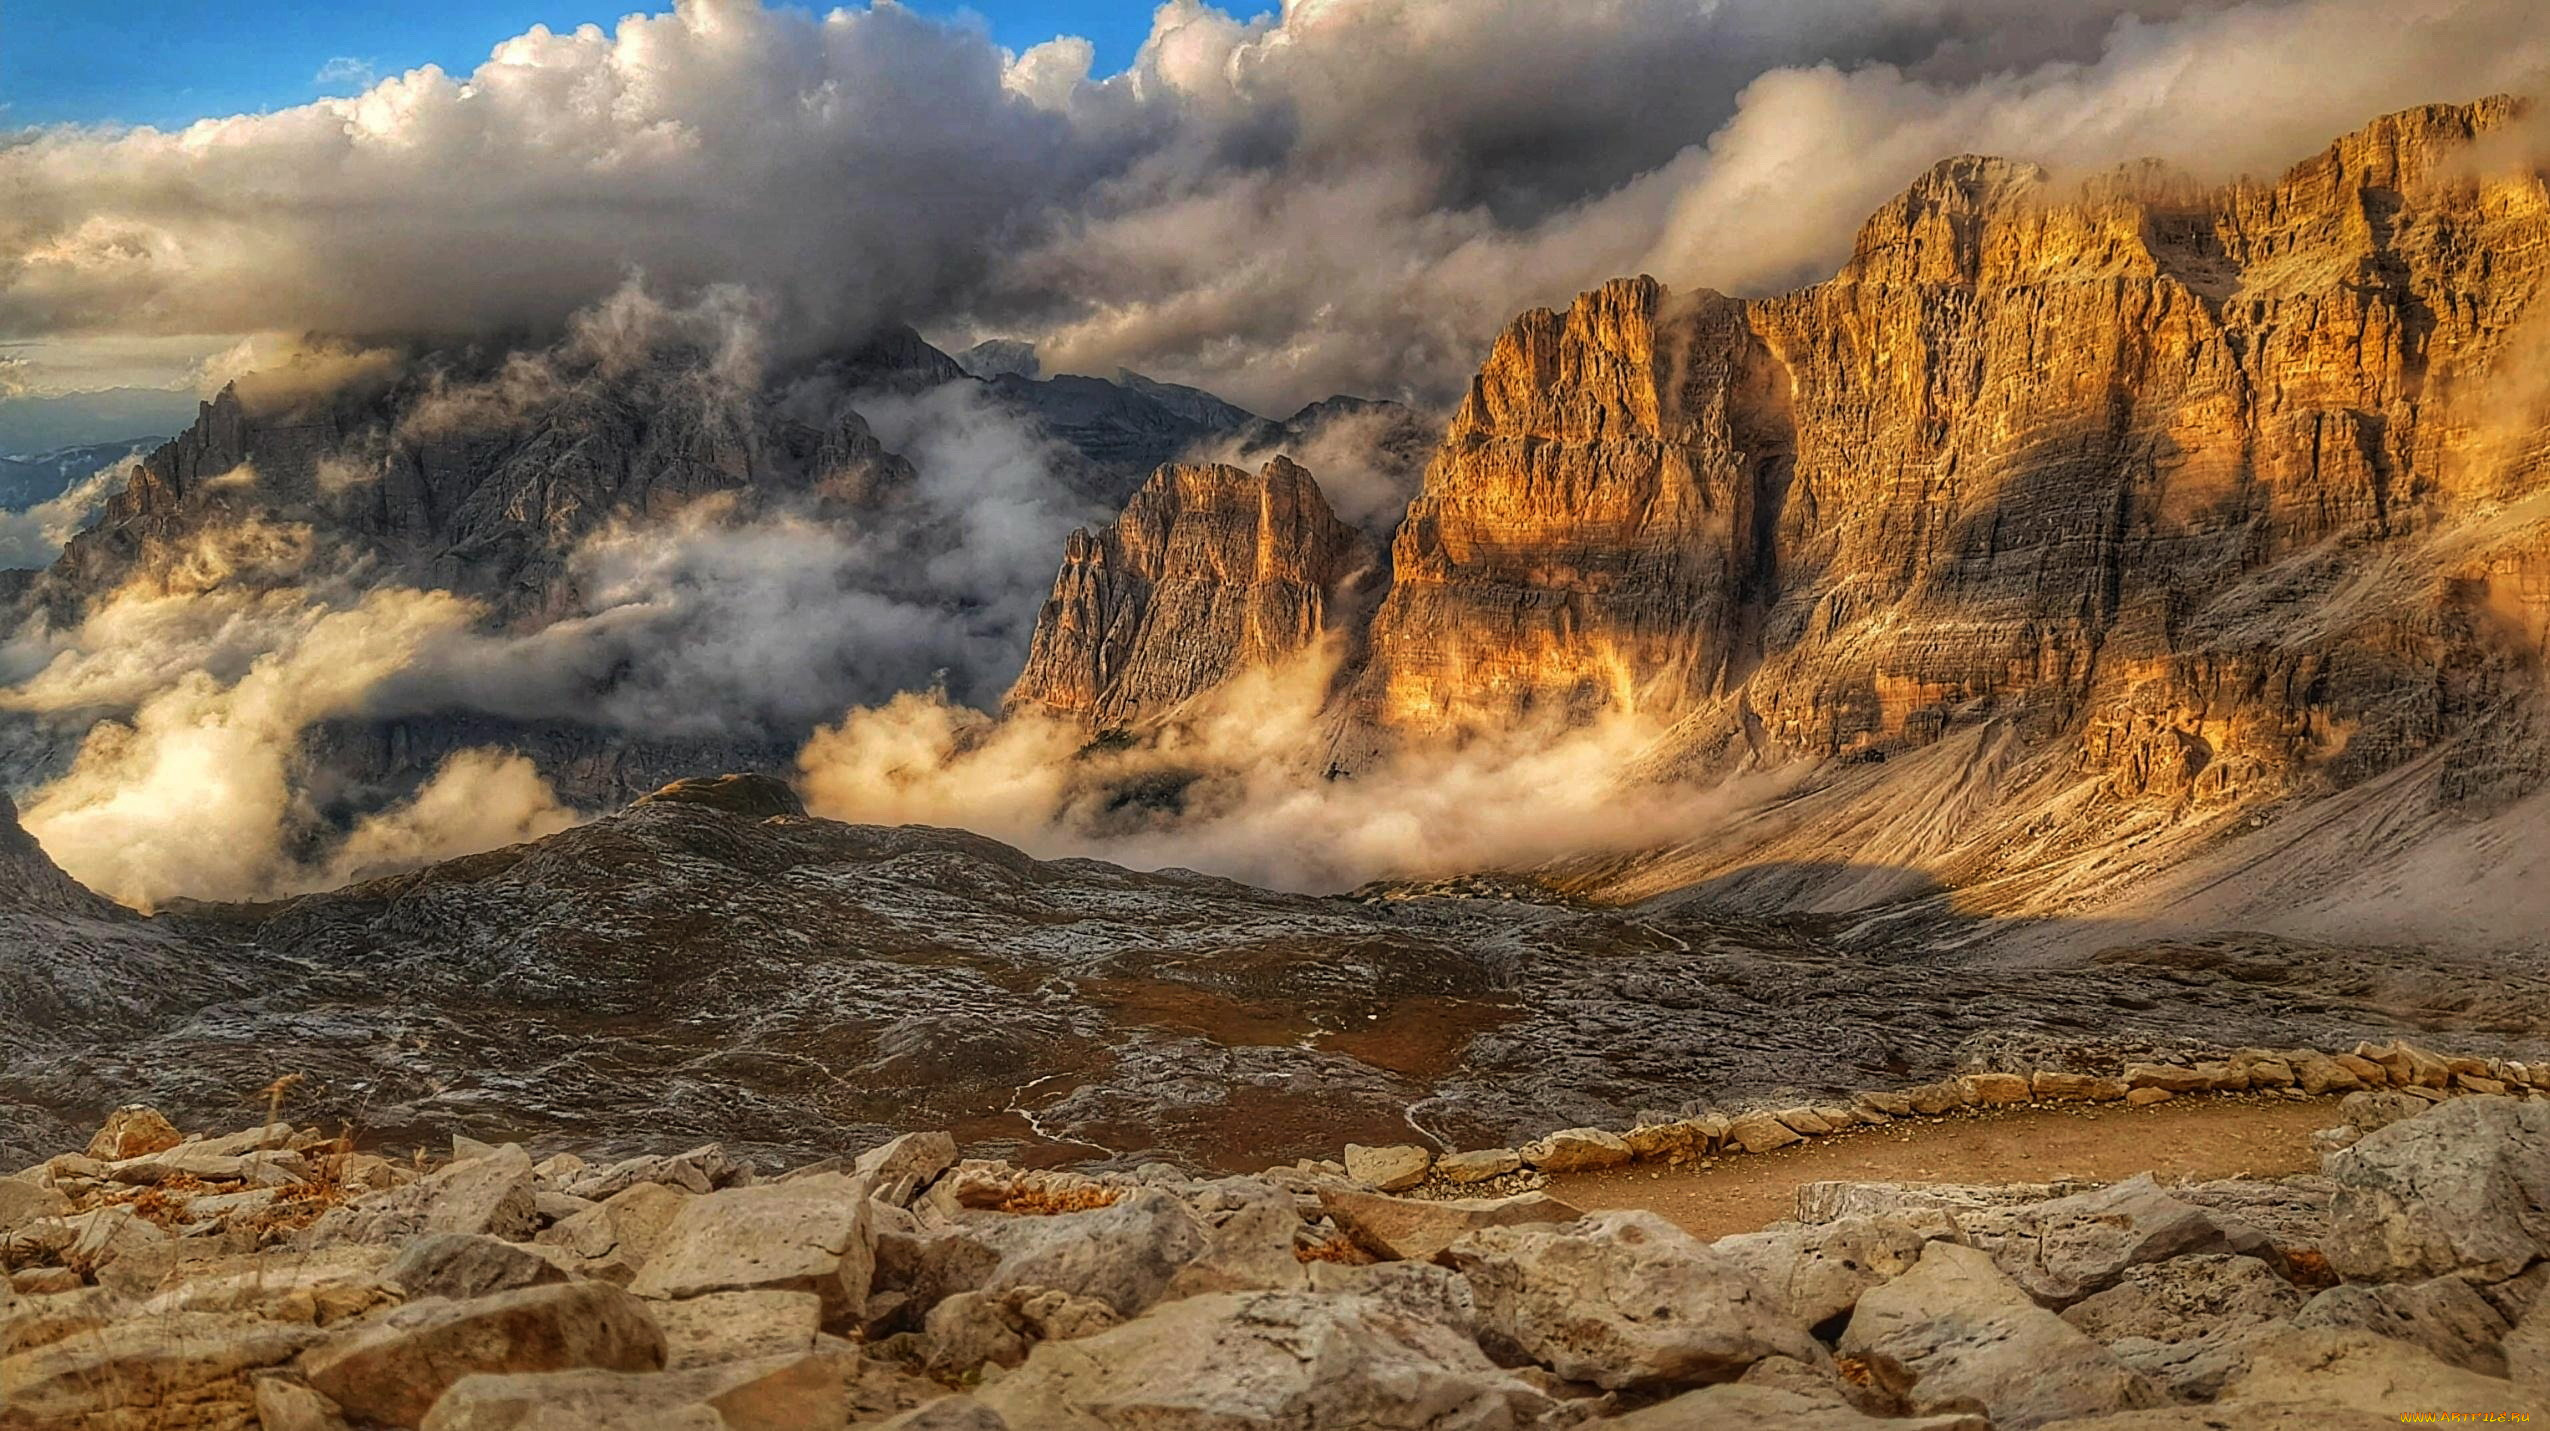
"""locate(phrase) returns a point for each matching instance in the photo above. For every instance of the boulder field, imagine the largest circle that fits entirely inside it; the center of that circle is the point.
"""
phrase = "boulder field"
(277, 1278)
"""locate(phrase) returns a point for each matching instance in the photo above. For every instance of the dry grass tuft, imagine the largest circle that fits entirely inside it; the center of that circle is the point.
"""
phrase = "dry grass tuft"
(1339, 1249)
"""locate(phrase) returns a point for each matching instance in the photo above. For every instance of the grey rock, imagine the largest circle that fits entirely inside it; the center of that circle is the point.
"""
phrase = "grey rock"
(809, 1236)
(2462, 1188)
(1624, 1300)
(1266, 1361)
(1956, 1334)
(489, 1197)
(1818, 1271)
(2442, 1315)
(1416, 1229)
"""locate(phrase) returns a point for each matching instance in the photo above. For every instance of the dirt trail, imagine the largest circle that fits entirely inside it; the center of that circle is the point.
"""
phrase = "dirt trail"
(2187, 1139)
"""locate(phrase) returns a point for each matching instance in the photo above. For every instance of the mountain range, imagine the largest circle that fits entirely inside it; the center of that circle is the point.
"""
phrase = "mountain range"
(2082, 569)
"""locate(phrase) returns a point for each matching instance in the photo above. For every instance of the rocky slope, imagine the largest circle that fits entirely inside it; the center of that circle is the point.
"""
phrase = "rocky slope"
(715, 965)
(278, 1278)
(2059, 523)
(1209, 572)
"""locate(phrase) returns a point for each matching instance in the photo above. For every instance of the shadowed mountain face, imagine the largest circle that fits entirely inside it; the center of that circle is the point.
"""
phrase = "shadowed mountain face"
(697, 968)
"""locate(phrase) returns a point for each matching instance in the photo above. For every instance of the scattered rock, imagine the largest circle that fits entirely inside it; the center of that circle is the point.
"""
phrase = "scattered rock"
(1956, 1334)
(2441, 1315)
(1124, 1254)
(133, 1131)
(2368, 1373)
(703, 1169)
(459, 1265)
(1624, 1300)
(1577, 1150)
(807, 1236)
(1396, 1168)
(489, 1196)
(828, 1387)
(1410, 1228)
(613, 1239)
(1479, 1166)
(1761, 1133)
(138, 1373)
(972, 1330)
(721, 1327)
(2061, 1251)
(1816, 1272)
(1265, 1361)
(1763, 1408)
(394, 1370)
(2462, 1188)
(2185, 1296)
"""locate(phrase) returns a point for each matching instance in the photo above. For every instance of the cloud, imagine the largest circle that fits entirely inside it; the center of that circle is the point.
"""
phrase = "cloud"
(1238, 786)
(35, 536)
(1349, 195)
(347, 72)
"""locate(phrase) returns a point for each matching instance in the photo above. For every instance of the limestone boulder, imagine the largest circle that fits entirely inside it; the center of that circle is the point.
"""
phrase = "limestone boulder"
(898, 1168)
(1395, 1168)
(1478, 1165)
(2066, 1249)
(1957, 1334)
(395, 1369)
(1418, 1230)
(828, 1387)
(460, 1266)
(133, 1131)
(181, 1371)
(1124, 1254)
(703, 1169)
(2186, 1297)
(2442, 1316)
(1624, 1300)
(1763, 1408)
(1577, 1150)
(614, 1238)
(2463, 1188)
(807, 1236)
(2241, 1416)
(1266, 1361)
(1761, 1133)
(973, 1330)
(2366, 1372)
(488, 1197)
(1818, 1271)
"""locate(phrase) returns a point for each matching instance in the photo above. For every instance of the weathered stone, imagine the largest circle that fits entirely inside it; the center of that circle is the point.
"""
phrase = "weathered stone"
(489, 1196)
(1805, 1121)
(828, 1387)
(1265, 1361)
(2318, 1073)
(2185, 1297)
(395, 1369)
(1761, 1133)
(722, 1327)
(1817, 1271)
(1624, 1300)
(1124, 1254)
(1477, 1166)
(321, 1288)
(949, 1413)
(1249, 1251)
(22, 1202)
(184, 1370)
(1409, 1228)
(131, 1132)
(1675, 1141)
(1893, 1105)
(460, 1266)
(2076, 1087)
(1396, 1168)
(1208, 572)
(1998, 1088)
(2146, 1097)
(2442, 1316)
(284, 1403)
(2463, 1188)
(2379, 1108)
(1427, 1291)
(1763, 1408)
(1577, 1150)
(2245, 1416)
(703, 1169)
(2526, 1350)
(1955, 1334)
(972, 1330)
(2061, 1251)
(2365, 1372)
(905, 1164)
(614, 1238)
(2166, 1076)
(809, 1236)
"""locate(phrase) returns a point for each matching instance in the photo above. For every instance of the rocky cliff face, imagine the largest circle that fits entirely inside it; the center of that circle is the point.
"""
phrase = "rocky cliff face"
(2201, 495)
(30, 883)
(1209, 572)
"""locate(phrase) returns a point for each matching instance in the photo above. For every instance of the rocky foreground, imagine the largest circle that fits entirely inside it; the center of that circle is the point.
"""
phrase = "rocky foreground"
(277, 1278)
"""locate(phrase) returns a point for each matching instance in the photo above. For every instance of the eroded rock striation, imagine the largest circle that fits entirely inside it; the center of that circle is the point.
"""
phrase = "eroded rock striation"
(1209, 573)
